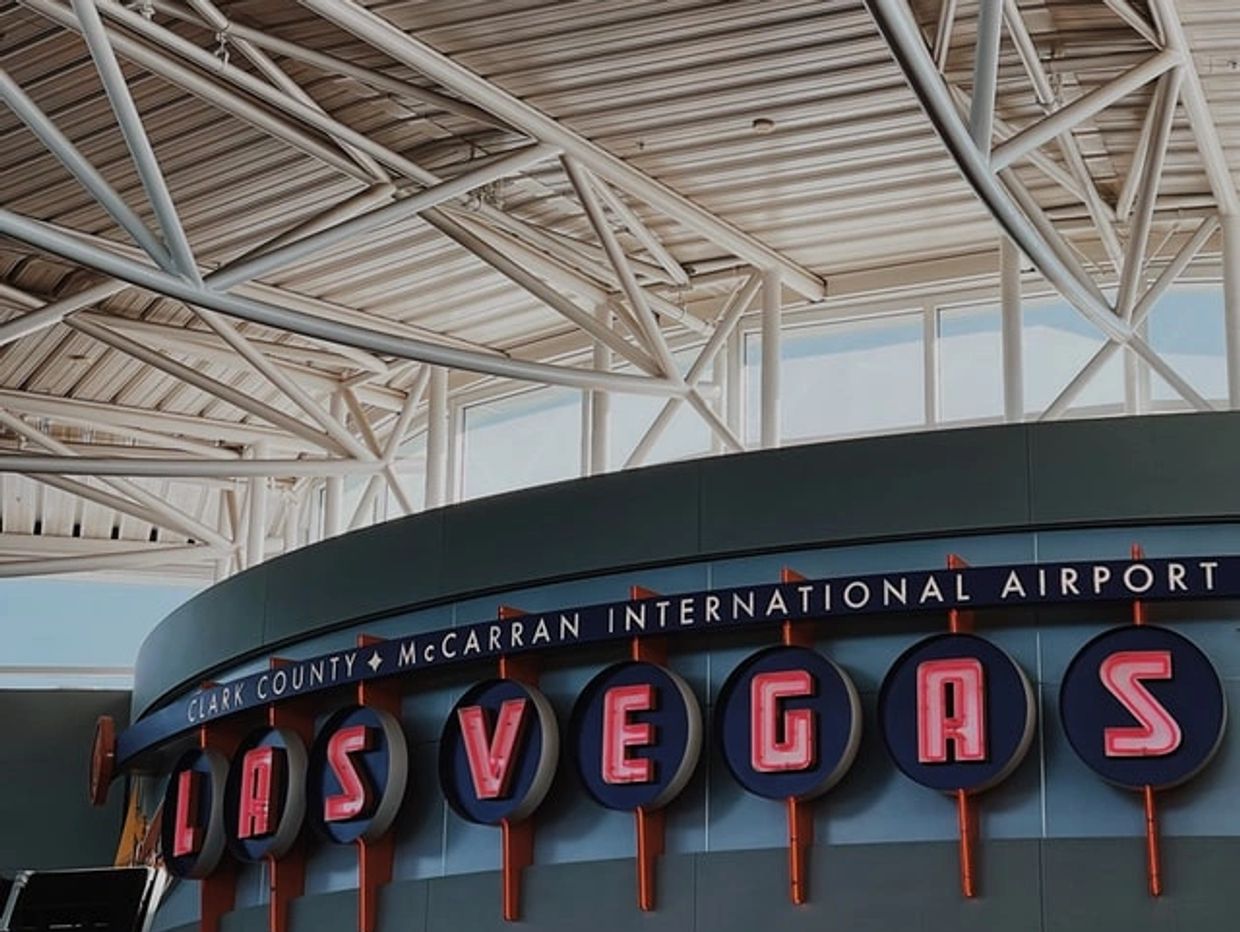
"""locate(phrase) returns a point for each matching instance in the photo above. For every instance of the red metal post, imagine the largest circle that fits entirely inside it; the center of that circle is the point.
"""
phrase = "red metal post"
(218, 892)
(960, 621)
(516, 838)
(1153, 855)
(964, 817)
(286, 876)
(800, 812)
(374, 858)
(649, 824)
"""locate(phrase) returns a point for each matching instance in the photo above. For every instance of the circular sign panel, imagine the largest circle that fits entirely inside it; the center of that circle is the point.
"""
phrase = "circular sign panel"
(498, 752)
(356, 775)
(192, 827)
(789, 723)
(957, 713)
(1143, 706)
(265, 799)
(637, 729)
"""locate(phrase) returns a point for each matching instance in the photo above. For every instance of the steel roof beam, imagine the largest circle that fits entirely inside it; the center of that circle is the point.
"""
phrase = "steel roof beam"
(403, 47)
(43, 236)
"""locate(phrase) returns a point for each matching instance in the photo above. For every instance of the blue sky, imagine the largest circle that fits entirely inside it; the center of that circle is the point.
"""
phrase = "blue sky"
(59, 621)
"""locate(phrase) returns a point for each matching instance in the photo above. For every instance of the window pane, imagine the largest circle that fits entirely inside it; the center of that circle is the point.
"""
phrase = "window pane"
(525, 440)
(1058, 342)
(970, 363)
(631, 415)
(843, 378)
(1186, 328)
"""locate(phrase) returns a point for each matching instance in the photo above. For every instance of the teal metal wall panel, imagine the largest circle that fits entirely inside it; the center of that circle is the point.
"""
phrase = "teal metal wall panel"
(935, 484)
(45, 819)
(1135, 469)
(641, 518)
(915, 484)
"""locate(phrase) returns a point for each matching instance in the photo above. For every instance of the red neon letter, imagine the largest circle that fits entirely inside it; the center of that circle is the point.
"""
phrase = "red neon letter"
(768, 751)
(187, 837)
(354, 796)
(259, 775)
(491, 760)
(1158, 732)
(951, 706)
(619, 734)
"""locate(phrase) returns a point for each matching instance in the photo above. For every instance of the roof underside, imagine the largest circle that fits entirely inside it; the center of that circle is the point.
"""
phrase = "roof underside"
(790, 122)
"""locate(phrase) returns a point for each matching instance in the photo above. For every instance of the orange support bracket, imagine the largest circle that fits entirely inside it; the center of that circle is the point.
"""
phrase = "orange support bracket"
(650, 824)
(1153, 854)
(375, 859)
(800, 812)
(286, 876)
(960, 621)
(516, 838)
(218, 891)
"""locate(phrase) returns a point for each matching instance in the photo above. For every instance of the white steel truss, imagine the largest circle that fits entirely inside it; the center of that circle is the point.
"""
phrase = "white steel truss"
(253, 382)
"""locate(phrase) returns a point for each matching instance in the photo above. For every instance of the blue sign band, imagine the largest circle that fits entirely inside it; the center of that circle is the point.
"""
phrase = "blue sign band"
(838, 597)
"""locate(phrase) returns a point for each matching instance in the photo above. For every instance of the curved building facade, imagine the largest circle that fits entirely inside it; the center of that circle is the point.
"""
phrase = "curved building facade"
(890, 542)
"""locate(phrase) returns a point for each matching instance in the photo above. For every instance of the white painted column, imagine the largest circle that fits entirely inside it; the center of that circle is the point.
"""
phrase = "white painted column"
(437, 439)
(1231, 304)
(223, 562)
(771, 364)
(1011, 335)
(256, 511)
(735, 367)
(600, 405)
(333, 498)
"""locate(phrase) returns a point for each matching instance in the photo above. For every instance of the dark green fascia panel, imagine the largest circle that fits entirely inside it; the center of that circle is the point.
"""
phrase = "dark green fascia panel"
(1011, 477)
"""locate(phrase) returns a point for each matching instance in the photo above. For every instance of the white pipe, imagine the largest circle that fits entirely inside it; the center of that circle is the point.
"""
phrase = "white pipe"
(180, 468)
(437, 439)
(1144, 307)
(166, 514)
(333, 495)
(256, 513)
(1013, 362)
(1081, 109)
(80, 167)
(1151, 175)
(985, 72)
(128, 559)
(1200, 116)
(42, 236)
(599, 461)
(771, 362)
(272, 260)
(193, 82)
(339, 66)
(620, 262)
(134, 133)
(380, 33)
(1231, 304)
(723, 335)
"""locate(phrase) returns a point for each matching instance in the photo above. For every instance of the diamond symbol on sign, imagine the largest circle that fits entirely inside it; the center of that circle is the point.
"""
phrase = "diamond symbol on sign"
(375, 662)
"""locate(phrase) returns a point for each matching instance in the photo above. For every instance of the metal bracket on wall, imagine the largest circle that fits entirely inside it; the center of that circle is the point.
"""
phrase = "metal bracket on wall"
(374, 858)
(649, 823)
(286, 876)
(800, 812)
(516, 838)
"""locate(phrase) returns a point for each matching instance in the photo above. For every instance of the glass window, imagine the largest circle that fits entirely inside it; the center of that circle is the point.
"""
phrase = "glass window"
(1058, 342)
(520, 441)
(1186, 328)
(970, 363)
(631, 415)
(843, 378)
